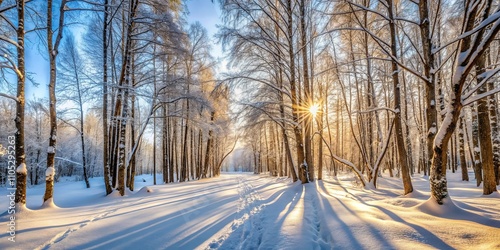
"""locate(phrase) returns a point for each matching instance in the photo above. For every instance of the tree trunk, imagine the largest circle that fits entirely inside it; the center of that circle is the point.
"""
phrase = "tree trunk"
(164, 151)
(403, 159)
(154, 148)
(489, 180)
(184, 163)
(105, 149)
(469, 141)
(463, 163)
(191, 149)
(295, 102)
(207, 151)
(281, 97)
(319, 143)
(370, 96)
(21, 171)
(124, 91)
(495, 135)
(307, 101)
(171, 153)
(408, 138)
(82, 135)
(476, 150)
(495, 132)
(52, 49)
(131, 167)
(200, 154)
(430, 88)
(466, 58)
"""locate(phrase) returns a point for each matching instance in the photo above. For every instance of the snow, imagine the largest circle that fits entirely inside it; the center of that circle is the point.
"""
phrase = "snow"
(22, 169)
(51, 149)
(247, 211)
(50, 172)
(432, 130)
(448, 119)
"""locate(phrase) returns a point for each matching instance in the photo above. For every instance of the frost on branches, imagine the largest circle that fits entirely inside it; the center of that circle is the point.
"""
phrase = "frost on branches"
(470, 50)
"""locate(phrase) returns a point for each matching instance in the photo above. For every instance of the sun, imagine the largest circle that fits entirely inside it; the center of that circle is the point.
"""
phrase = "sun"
(314, 109)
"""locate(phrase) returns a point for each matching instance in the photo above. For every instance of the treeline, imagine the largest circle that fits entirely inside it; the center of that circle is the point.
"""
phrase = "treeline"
(370, 86)
(134, 93)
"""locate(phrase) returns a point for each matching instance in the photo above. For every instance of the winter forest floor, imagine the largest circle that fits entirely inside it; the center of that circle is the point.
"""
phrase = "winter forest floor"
(247, 211)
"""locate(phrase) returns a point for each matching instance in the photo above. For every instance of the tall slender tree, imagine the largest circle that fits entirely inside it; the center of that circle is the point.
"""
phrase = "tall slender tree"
(53, 51)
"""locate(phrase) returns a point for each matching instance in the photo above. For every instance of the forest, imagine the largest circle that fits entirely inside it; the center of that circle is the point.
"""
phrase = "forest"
(377, 95)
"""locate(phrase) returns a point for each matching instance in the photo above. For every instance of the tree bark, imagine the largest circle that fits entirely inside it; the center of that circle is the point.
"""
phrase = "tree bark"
(82, 135)
(124, 92)
(489, 180)
(463, 163)
(52, 49)
(21, 171)
(495, 132)
(308, 98)
(403, 158)
(467, 56)
(132, 166)
(430, 85)
(295, 102)
(207, 151)
(105, 147)
(476, 150)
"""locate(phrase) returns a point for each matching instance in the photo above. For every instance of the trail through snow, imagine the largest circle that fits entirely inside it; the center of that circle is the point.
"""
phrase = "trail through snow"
(247, 211)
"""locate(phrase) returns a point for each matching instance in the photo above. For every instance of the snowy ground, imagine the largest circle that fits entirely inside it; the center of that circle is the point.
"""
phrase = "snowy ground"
(246, 211)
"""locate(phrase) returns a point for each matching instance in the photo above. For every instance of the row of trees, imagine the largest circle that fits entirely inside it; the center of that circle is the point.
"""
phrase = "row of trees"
(138, 69)
(69, 154)
(375, 84)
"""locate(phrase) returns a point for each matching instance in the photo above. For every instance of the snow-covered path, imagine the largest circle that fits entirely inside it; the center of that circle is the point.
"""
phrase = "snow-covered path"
(246, 211)
(176, 216)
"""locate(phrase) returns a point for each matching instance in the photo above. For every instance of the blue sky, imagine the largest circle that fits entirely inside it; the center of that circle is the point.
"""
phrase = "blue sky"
(204, 11)
(207, 13)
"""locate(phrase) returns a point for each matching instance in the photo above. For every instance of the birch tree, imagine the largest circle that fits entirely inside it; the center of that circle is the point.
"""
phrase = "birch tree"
(73, 89)
(473, 41)
(53, 51)
(18, 67)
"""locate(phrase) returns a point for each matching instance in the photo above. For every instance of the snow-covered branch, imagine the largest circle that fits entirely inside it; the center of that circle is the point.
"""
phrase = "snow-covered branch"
(480, 96)
(395, 111)
(491, 19)
(9, 97)
(486, 77)
(376, 166)
(345, 162)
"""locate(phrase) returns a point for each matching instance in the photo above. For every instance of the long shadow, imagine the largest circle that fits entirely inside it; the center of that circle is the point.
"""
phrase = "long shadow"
(426, 234)
(354, 243)
(62, 226)
(471, 216)
(206, 203)
(204, 233)
(154, 233)
(196, 196)
(466, 206)
(100, 197)
(144, 205)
